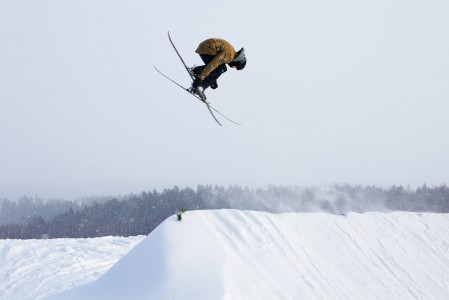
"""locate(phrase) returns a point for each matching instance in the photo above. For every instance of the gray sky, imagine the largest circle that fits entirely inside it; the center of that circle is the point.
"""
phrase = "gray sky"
(334, 91)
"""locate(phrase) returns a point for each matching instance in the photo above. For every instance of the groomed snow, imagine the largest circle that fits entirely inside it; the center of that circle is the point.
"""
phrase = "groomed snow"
(230, 254)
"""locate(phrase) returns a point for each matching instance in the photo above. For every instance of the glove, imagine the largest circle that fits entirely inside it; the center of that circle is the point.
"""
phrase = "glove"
(196, 83)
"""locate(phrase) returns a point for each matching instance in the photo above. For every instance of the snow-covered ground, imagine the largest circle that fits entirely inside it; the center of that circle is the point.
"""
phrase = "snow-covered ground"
(230, 254)
(34, 269)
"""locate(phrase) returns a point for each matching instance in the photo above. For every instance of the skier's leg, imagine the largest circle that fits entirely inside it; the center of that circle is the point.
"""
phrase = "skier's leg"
(211, 80)
(206, 58)
(197, 70)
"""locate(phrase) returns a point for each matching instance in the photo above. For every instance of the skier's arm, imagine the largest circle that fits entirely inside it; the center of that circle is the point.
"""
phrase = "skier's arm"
(218, 60)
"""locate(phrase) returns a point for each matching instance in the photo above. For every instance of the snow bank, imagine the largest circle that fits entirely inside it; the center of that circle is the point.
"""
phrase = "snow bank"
(231, 254)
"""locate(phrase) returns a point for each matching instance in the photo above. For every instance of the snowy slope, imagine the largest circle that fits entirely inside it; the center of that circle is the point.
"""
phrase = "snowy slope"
(231, 254)
(33, 269)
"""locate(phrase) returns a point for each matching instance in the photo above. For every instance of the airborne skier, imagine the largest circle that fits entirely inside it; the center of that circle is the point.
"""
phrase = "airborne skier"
(210, 77)
(215, 53)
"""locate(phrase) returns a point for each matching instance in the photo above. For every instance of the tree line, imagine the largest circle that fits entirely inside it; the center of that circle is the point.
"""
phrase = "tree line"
(140, 214)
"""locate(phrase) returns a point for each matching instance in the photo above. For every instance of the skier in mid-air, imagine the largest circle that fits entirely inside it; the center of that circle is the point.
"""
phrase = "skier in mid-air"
(215, 53)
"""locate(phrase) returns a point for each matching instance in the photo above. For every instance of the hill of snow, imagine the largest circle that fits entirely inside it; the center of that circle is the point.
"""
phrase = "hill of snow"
(230, 254)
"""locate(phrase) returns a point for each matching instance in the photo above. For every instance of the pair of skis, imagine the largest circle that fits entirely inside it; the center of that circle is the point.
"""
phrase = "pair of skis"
(209, 107)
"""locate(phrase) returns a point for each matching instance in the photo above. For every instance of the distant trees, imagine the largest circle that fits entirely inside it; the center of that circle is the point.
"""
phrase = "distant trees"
(26, 208)
(140, 214)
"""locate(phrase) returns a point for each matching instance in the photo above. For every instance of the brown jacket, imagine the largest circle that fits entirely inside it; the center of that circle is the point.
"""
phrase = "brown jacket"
(221, 49)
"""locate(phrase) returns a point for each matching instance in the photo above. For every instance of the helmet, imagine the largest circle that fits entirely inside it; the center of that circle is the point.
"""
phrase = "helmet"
(239, 60)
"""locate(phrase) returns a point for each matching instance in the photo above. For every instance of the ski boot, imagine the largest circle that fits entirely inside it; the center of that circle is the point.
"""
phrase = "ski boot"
(199, 91)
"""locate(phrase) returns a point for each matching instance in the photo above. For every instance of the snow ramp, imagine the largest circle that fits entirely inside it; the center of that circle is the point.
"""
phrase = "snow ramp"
(231, 254)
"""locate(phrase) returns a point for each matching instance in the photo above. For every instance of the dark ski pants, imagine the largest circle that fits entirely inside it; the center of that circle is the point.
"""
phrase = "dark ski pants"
(213, 76)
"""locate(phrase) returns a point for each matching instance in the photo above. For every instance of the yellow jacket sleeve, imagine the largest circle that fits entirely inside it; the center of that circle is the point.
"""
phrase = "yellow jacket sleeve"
(222, 50)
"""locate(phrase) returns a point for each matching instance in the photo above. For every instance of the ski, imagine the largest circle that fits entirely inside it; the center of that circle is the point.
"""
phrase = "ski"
(209, 107)
(180, 57)
(191, 93)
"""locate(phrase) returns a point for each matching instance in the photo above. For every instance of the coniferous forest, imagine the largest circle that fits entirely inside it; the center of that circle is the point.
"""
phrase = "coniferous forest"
(139, 214)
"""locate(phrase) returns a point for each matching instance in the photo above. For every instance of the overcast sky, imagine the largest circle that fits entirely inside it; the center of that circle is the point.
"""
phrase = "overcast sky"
(334, 91)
